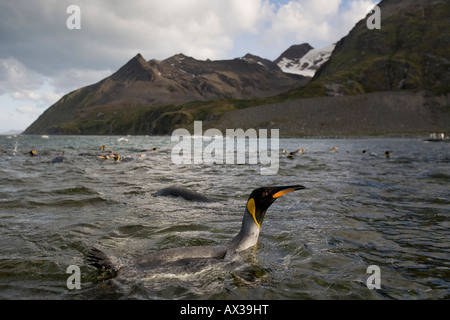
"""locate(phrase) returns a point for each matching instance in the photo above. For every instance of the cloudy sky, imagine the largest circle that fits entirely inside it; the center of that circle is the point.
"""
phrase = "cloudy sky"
(41, 59)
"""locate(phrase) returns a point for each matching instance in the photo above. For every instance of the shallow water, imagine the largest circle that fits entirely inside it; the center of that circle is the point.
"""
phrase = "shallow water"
(360, 209)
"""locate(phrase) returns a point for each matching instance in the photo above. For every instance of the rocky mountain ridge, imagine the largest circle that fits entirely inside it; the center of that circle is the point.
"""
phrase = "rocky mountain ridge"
(176, 80)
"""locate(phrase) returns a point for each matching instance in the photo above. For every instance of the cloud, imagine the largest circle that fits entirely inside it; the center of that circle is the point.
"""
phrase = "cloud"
(22, 84)
(114, 31)
(72, 79)
(356, 11)
(318, 22)
(17, 80)
(296, 21)
(29, 111)
(35, 33)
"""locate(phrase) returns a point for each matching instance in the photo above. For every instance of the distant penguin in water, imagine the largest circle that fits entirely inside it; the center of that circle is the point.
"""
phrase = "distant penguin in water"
(58, 159)
(291, 154)
(257, 204)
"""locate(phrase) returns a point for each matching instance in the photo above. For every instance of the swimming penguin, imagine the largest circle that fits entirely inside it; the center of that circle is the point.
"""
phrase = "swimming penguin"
(32, 153)
(116, 157)
(257, 204)
(187, 194)
(291, 154)
(334, 149)
(387, 154)
(58, 159)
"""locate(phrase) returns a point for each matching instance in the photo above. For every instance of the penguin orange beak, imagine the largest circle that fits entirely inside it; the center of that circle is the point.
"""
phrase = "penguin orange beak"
(287, 190)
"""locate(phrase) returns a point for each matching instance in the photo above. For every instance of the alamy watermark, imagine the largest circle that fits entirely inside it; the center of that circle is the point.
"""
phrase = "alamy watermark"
(374, 20)
(237, 147)
(74, 281)
(74, 20)
(374, 281)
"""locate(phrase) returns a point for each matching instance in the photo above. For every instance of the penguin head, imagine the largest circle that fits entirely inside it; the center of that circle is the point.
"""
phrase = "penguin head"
(262, 198)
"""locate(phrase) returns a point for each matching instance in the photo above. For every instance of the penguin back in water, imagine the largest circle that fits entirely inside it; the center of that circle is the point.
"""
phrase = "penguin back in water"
(176, 191)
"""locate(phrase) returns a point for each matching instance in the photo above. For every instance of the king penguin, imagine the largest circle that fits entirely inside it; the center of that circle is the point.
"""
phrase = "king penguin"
(258, 202)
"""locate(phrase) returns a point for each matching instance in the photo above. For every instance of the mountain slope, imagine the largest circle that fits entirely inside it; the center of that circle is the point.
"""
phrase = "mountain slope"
(380, 113)
(176, 80)
(410, 52)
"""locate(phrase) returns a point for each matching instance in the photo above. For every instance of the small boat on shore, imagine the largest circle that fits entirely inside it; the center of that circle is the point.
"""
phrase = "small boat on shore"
(438, 137)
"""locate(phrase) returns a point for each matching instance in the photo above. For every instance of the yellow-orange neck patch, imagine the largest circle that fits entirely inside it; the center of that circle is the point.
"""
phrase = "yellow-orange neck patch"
(251, 208)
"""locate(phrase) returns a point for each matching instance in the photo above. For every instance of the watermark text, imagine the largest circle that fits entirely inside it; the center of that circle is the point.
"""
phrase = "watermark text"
(374, 281)
(237, 147)
(374, 20)
(74, 20)
(74, 281)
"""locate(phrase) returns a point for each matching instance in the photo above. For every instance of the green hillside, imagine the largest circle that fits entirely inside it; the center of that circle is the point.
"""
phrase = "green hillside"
(411, 52)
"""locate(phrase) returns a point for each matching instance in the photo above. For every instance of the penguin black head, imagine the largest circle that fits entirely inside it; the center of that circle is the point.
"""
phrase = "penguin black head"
(261, 199)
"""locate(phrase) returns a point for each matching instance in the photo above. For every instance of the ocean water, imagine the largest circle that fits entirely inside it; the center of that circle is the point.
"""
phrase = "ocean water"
(359, 210)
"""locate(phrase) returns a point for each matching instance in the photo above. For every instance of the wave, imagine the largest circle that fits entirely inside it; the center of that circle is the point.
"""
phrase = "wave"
(30, 204)
(76, 191)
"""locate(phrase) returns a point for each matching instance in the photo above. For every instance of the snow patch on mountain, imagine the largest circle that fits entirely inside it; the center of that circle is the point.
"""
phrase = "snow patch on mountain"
(308, 64)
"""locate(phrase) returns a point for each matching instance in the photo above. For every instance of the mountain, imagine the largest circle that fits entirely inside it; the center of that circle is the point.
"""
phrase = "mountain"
(389, 81)
(144, 84)
(11, 132)
(294, 52)
(410, 52)
(393, 80)
(303, 59)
